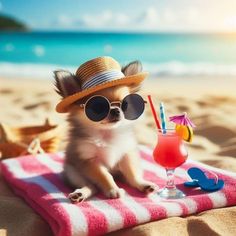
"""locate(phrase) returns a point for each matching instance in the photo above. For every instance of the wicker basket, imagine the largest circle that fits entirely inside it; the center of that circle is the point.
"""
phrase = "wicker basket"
(18, 141)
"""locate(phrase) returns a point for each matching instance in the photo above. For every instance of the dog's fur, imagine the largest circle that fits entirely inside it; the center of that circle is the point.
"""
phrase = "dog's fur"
(97, 151)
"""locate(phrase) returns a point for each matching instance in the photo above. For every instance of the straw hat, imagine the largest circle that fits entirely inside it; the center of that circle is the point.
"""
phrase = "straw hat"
(98, 74)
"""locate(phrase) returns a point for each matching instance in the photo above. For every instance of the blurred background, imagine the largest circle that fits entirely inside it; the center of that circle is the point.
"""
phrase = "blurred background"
(171, 38)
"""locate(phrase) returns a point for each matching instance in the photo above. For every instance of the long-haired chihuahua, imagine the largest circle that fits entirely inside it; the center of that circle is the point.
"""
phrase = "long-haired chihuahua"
(102, 111)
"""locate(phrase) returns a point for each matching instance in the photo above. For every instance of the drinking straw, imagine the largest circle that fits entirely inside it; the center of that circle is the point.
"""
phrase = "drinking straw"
(154, 112)
(163, 118)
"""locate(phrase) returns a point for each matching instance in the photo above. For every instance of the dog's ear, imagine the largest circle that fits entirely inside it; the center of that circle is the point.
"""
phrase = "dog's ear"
(66, 83)
(133, 68)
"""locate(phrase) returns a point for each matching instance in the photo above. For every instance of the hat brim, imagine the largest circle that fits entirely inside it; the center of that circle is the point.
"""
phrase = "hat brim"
(64, 104)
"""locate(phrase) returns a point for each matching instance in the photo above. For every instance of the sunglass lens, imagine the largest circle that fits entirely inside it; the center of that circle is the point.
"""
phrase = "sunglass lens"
(132, 106)
(97, 108)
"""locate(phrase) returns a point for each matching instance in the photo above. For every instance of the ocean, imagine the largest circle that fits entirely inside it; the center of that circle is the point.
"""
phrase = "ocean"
(37, 54)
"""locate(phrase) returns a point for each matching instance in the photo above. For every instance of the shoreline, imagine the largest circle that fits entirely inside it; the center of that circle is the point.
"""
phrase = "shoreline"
(162, 69)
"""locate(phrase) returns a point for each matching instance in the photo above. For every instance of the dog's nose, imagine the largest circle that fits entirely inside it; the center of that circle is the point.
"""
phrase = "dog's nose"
(115, 112)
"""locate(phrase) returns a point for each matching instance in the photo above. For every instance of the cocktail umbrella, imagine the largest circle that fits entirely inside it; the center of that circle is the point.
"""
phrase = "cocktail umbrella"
(182, 120)
(183, 126)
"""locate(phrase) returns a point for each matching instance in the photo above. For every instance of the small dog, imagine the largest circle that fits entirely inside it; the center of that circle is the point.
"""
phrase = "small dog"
(99, 150)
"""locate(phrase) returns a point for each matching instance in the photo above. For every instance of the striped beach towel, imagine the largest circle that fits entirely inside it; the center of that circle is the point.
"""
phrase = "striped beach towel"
(38, 180)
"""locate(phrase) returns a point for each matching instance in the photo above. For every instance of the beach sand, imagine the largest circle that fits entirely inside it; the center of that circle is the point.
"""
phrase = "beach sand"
(209, 102)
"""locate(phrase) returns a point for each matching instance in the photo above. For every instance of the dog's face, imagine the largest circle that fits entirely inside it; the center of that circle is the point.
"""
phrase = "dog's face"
(114, 119)
(66, 84)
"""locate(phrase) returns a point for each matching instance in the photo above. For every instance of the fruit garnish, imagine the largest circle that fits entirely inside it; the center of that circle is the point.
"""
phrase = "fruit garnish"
(185, 132)
(184, 126)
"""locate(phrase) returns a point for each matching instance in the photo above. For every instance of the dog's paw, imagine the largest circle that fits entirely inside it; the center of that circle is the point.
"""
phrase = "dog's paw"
(115, 193)
(147, 187)
(77, 196)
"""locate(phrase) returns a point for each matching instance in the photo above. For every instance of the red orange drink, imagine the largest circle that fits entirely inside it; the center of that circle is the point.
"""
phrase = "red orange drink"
(170, 151)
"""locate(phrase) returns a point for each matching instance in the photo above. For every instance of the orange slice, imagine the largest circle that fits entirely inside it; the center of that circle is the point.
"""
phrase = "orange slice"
(186, 132)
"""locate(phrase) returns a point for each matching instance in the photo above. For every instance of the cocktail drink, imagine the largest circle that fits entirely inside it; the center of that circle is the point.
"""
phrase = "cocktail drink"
(170, 153)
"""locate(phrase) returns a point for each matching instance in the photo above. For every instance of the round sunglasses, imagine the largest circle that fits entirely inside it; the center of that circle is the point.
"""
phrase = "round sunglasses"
(98, 107)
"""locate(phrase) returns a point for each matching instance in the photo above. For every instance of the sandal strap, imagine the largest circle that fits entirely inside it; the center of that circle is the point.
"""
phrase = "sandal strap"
(214, 174)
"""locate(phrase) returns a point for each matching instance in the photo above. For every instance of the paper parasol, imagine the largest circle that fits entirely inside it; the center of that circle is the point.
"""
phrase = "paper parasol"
(182, 120)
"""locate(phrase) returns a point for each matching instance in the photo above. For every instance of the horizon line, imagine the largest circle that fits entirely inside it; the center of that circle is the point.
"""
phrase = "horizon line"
(116, 31)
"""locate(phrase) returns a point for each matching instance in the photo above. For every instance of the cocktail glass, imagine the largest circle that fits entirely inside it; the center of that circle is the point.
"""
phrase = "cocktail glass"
(170, 152)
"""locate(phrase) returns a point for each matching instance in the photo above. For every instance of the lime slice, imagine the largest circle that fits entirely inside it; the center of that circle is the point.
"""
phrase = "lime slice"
(186, 132)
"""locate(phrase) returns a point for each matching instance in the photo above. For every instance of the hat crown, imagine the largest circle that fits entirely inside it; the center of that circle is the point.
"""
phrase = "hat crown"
(96, 66)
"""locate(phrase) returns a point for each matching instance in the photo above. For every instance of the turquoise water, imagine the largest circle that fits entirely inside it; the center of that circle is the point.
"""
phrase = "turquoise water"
(162, 54)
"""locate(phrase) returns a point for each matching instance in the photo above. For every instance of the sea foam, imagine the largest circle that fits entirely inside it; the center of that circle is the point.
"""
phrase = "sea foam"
(29, 70)
(172, 69)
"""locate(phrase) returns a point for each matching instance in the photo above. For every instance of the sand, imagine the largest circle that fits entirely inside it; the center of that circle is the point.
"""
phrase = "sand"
(209, 102)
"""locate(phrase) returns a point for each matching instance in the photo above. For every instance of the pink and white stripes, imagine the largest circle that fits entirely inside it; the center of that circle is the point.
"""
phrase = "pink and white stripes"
(38, 181)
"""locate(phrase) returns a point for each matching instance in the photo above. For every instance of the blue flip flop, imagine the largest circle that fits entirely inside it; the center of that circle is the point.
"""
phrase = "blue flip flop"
(202, 181)
(194, 183)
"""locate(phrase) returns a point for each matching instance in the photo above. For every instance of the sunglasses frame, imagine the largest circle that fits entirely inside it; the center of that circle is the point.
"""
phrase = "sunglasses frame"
(83, 105)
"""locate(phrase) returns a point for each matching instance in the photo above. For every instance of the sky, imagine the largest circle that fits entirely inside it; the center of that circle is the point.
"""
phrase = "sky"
(124, 15)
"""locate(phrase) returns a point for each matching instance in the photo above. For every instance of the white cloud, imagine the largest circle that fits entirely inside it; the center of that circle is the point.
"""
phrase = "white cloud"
(98, 20)
(103, 20)
(188, 18)
(192, 14)
(169, 15)
(151, 16)
(147, 19)
(122, 19)
(230, 22)
(64, 20)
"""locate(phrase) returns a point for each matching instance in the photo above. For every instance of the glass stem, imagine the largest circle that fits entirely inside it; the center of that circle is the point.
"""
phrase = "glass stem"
(170, 184)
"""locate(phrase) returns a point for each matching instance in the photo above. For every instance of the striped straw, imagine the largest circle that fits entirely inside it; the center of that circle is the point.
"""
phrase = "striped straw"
(163, 118)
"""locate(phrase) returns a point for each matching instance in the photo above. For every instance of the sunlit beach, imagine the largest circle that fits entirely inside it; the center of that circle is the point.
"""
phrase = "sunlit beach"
(188, 49)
